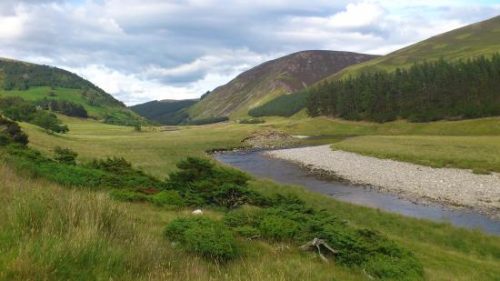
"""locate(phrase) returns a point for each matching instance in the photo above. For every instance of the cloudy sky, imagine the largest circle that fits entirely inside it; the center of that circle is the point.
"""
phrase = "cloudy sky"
(141, 50)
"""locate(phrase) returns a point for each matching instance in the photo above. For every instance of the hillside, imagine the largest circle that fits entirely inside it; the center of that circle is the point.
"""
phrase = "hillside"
(272, 79)
(377, 96)
(482, 38)
(168, 112)
(37, 83)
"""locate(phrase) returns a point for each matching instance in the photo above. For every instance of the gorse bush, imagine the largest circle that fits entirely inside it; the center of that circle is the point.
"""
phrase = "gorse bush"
(203, 236)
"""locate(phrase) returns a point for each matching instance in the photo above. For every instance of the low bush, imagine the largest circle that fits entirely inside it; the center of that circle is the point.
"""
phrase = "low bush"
(203, 236)
(167, 197)
(128, 195)
(247, 231)
(10, 132)
(289, 219)
(277, 228)
(200, 182)
(34, 164)
(65, 155)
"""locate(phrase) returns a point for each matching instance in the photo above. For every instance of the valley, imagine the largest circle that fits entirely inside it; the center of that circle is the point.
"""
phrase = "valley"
(445, 250)
(391, 163)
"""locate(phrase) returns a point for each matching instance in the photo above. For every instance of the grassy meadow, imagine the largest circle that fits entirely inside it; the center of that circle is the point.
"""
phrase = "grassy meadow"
(57, 233)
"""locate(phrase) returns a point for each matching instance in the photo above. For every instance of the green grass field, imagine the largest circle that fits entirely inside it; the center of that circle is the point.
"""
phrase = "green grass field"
(52, 232)
(157, 151)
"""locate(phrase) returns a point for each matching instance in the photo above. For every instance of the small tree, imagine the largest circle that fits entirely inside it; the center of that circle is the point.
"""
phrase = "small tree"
(65, 155)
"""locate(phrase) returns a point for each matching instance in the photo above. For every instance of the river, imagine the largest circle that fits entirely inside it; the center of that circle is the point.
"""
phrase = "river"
(259, 165)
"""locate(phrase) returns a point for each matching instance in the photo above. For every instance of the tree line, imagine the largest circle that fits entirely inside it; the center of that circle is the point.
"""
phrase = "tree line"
(17, 109)
(424, 92)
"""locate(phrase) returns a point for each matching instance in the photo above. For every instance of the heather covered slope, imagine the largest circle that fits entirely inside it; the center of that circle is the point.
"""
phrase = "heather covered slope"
(272, 79)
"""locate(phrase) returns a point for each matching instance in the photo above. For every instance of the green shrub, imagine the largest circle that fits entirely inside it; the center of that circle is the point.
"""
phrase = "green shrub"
(288, 218)
(278, 228)
(34, 164)
(243, 217)
(10, 132)
(48, 121)
(167, 197)
(200, 182)
(230, 196)
(203, 236)
(65, 155)
(247, 231)
(127, 195)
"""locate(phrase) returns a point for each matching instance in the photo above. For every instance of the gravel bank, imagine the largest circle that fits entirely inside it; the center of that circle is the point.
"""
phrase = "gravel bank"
(456, 187)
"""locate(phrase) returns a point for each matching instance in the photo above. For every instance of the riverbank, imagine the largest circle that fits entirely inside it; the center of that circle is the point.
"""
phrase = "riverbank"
(450, 186)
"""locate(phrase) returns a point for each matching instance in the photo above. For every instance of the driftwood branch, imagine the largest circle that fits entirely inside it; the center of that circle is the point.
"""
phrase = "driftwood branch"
(317, 243)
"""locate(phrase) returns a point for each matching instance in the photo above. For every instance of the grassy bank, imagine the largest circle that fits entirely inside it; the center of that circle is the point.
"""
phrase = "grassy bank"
(480, 153)
(56, 233)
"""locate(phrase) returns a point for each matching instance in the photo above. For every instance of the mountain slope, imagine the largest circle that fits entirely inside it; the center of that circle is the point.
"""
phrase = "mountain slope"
(482, 38)
(168, 112)
(453, 76)
(34, 82)
(272, 79)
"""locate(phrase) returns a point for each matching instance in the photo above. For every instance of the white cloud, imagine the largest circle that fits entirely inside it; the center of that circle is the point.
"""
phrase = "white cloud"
(11, 27)
(356, 15)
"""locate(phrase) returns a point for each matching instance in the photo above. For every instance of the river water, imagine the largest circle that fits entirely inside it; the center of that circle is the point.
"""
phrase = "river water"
(259, 165)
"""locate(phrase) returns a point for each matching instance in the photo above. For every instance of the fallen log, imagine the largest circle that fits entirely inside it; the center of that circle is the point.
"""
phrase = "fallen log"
(318, 243)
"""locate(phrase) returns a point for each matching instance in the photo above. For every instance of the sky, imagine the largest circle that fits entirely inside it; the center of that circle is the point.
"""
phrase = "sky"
(142, 50)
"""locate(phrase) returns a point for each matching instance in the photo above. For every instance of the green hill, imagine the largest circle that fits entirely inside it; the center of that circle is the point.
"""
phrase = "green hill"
(270, 80)
(167, 112)
(482, 38)
(371, 90)
(43, 84)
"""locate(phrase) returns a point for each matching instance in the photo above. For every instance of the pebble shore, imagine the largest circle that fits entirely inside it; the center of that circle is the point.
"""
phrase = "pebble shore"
(456, 187)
